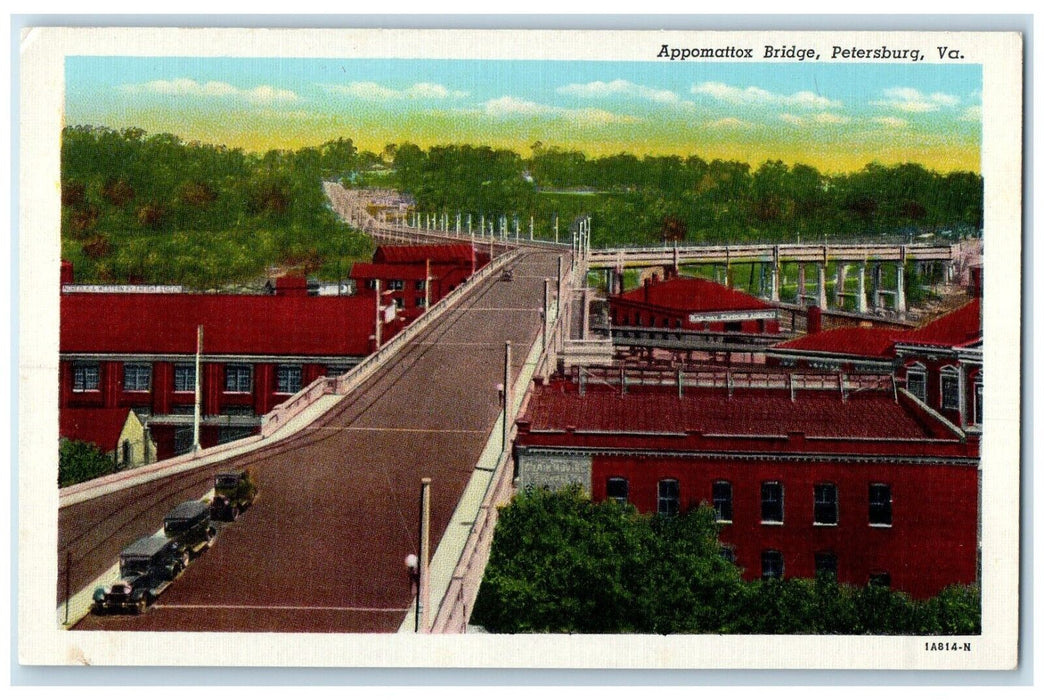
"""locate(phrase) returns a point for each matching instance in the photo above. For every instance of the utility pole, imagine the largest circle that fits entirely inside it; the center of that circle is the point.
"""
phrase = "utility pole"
(377, 317)
(197, 409)
(507, 396)
(425, 556)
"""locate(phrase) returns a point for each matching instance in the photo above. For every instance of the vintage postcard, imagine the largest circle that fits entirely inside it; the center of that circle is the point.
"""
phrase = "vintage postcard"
(497, 348)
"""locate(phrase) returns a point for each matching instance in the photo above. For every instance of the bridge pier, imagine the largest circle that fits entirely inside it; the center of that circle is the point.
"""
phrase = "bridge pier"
(861, 293)
(875, 286)
(821, 292)
(839, 284)
(900, 289)
(801, 284)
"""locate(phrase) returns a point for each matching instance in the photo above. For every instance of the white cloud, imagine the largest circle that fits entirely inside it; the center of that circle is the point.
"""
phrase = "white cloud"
(618, 88)
(368, 90)
(822, 118)
(972, 114)
(891, 122)
(729, 123)
(508, 107)
(754, 95)
(181, 87)
(906, 99)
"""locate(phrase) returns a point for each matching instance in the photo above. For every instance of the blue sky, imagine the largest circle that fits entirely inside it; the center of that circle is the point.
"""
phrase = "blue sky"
(832, 115)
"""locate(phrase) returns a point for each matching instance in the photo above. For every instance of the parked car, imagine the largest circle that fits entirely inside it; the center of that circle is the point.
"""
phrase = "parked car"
(234, 492)
(147, 567)
(189, 525)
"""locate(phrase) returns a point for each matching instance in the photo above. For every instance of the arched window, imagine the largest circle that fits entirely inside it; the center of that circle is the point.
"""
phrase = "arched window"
(950, 388)
(616, 489)
(667, 497)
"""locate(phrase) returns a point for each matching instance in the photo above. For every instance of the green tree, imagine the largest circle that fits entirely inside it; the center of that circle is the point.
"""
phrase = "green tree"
(81, 461)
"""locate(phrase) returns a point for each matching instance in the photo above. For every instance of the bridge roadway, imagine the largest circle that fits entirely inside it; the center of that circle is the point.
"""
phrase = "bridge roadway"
(322, 549)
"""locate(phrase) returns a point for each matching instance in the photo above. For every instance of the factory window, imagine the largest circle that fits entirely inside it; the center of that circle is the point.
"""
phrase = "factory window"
(667, 497)
(880, 578)
(950, 388)
(182, 440)
(721, 494)
(239, 379)
(880, 504)
(85, 376)
(395, 285)
(915, 381)
(728, 554)
(419, 285)
(232, 434)
(371, 284)
(616, 489)
(420, 302)
(399, 302)
(771, 502)
(244, 410)
(184, 377)
(825, 512)
(733, 326)
(826, 563)
(137, 377)
(288, 379)
(336, 370)
(771, 564)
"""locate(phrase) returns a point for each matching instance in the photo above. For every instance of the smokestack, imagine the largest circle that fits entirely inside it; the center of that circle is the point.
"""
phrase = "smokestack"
(815, 320)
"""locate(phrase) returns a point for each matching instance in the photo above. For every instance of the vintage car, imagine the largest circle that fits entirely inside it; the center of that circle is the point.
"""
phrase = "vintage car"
(234, 492)
(506, 275)
(147, 567)
(189, 525)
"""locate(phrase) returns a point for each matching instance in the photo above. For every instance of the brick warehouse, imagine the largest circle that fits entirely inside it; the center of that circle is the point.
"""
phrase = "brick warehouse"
(134, 346)
(806, 471)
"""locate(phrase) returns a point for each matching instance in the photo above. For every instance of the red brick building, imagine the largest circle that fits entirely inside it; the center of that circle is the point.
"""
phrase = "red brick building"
(132, 349)
(865, 482)
(402, 270)
(690, 303)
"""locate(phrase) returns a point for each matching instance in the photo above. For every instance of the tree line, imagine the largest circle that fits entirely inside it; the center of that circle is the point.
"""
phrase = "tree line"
(561, 563)
(153, 208)
(653, 199)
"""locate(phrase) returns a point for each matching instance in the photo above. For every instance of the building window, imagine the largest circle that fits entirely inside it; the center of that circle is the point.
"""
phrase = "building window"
(825, 512)
(915, 381)
(399, 303)
(137, 377)
(288, 379)
(395, 285)
(371, 284)
(419, 285)
(771, 564)
(880, 504)
(232, 434)
(880, 578)
(667, 498)
(184, 377)
(420, 302)
(336, 370)
(721, 494)
(733, 326)
(616, 489)
(728, 554)
(977, 402)
(245, 410)
(826, 563)
(239, 379)
(85, 377)
(771, 502)
(182, 440)
(950, 388)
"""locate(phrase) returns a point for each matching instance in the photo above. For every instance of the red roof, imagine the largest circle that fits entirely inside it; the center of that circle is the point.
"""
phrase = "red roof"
(689, 294)
(818, 413)
(101, 426)
(848, 340)
(450, 253)
(233, 324)
(960, 327)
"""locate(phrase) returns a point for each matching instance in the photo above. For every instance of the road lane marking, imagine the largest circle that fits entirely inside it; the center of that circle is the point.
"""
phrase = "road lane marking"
(218, 606)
